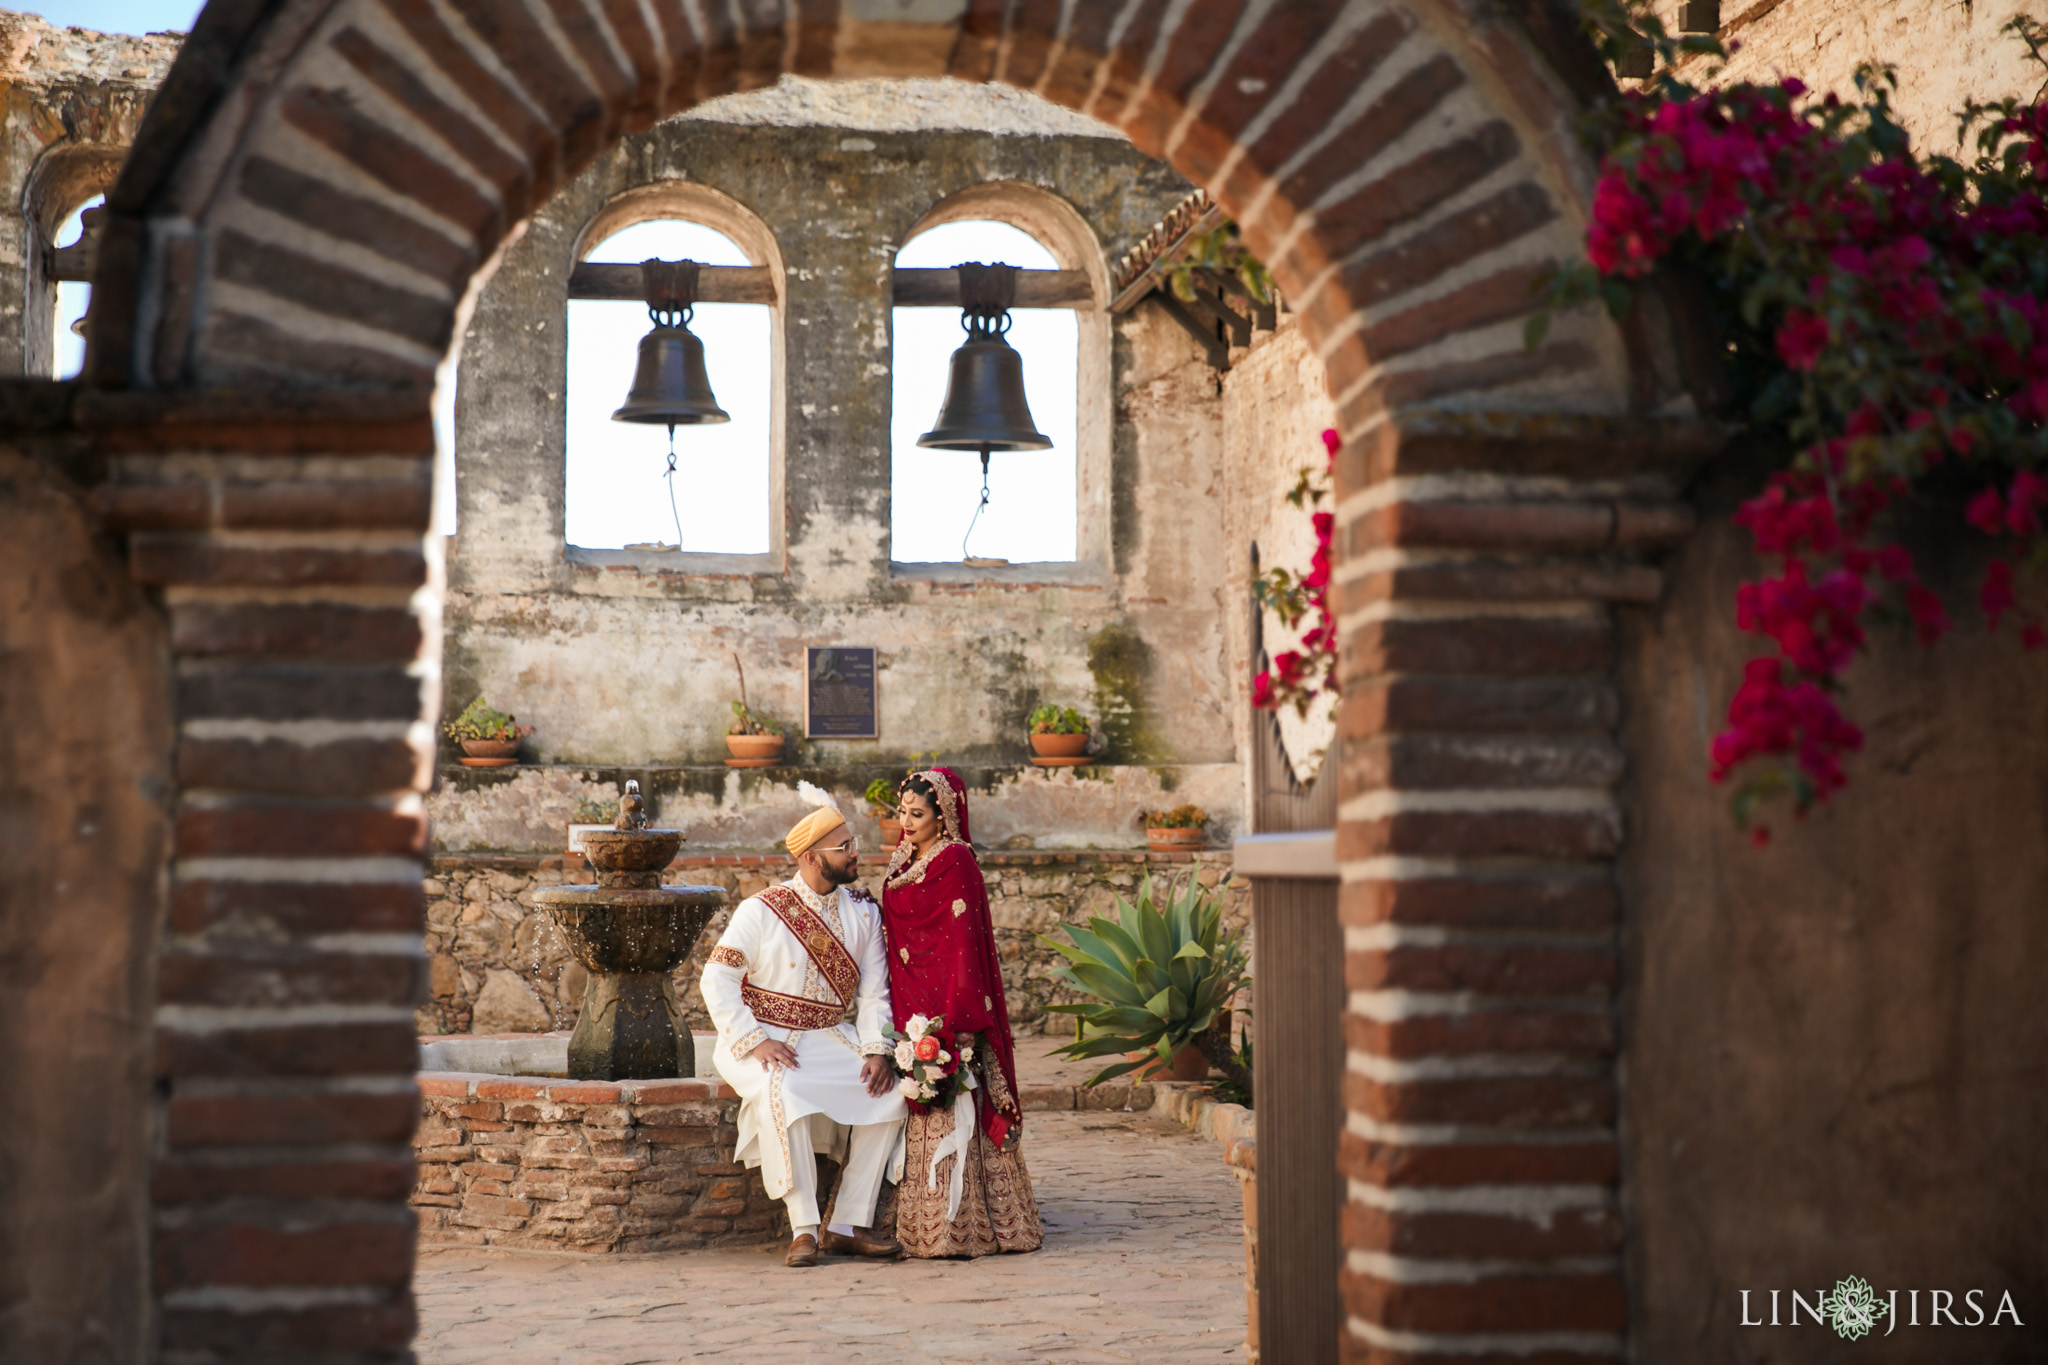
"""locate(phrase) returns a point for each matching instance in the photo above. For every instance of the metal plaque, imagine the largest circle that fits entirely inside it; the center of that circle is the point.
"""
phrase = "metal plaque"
(839, 693)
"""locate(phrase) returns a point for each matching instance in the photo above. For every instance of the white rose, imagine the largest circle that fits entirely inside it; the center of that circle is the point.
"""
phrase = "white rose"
(944, 1056)
(925, 1094)
(967, 1054)
(906, 1054)
(907, 1088)
(918, 1026)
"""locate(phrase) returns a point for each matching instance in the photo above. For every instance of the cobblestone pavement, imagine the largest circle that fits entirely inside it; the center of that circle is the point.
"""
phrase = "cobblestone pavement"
(1143, 1261)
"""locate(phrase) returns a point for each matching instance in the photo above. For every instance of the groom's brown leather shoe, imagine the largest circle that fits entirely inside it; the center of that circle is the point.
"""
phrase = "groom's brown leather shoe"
(803, 1251)
(862, 1243)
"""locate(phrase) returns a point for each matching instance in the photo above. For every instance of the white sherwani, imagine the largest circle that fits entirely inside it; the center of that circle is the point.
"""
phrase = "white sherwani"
(773, 976)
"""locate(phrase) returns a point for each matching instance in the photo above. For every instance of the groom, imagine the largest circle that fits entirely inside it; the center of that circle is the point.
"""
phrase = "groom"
(777, 983)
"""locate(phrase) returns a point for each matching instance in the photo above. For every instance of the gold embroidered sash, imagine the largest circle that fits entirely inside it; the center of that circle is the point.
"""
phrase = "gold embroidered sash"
(841, 974)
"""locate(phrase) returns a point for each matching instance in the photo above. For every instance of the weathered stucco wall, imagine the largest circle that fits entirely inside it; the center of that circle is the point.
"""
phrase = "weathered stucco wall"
(528, 808)
(70, 101)
(1946, 54)
(84, 763)
(498, 966)
(1276, 407)
(630, 665)
(1834, 1044)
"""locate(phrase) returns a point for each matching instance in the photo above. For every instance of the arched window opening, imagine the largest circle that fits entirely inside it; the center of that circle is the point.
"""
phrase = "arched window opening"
(74, 297)
(1033, 510)
(618, 493)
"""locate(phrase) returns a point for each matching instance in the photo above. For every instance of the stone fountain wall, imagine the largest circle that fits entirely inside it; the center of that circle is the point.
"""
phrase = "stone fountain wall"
(498, 966)
(591, 1166)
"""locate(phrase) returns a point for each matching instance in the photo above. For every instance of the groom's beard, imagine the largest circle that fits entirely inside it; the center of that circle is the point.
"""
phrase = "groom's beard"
(839, 876)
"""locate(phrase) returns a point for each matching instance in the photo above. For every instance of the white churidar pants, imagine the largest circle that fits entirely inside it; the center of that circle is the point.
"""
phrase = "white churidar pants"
(868, 1152)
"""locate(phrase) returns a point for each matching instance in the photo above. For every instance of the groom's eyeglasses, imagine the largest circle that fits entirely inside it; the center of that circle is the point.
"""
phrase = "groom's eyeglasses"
(849, 846)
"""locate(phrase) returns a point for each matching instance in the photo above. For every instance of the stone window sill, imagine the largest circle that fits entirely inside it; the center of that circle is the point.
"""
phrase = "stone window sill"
(1075, 574)
(683, 565)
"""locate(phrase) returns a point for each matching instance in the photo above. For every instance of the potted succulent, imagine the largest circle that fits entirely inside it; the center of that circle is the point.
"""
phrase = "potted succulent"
(1058, 732)
(489, 738)
(881, 799)
(1178, 830)
(755, 739)
(1160, 978)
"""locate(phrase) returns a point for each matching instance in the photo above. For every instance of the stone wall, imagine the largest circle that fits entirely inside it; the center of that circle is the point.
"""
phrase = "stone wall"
(630, 660)
(85, 747)
(1946, 54)
(585, 1166)
(497, 966)
(527, 808)
(1276, 406)
(70, 102)
(1834, 1043)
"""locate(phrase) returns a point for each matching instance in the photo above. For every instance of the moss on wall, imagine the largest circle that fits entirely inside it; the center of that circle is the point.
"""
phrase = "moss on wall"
(1121, 663)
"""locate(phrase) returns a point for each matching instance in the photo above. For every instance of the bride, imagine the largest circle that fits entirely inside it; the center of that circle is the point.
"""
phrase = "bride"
(963, 1193)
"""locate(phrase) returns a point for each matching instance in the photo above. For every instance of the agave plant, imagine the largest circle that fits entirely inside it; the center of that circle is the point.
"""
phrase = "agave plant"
(1160, 974)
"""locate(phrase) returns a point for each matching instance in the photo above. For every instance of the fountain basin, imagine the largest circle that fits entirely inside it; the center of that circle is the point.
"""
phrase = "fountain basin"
(631, 938)
(631, 929)
(630, 850)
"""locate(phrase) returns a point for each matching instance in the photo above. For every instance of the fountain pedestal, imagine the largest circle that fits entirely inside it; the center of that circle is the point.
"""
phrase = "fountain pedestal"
(631, 933)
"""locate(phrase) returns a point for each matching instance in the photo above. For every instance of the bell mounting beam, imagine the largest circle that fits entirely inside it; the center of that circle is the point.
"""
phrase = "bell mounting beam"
(1035, 289)
(621, 282)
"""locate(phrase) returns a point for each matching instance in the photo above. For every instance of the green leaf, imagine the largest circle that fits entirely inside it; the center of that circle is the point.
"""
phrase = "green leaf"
(1120, 940)
(1110, 1073)
(1108, 985)
(1535, 329)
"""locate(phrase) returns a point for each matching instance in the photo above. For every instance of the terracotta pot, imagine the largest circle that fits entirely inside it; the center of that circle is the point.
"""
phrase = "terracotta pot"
(1177, 840)
(755, 747)
(491, 748)
(892, 831)
(1059, 746)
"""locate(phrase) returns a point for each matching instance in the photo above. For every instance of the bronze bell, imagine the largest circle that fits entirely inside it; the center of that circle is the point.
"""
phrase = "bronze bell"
(670, 384)
(671, 387)
(985, 408)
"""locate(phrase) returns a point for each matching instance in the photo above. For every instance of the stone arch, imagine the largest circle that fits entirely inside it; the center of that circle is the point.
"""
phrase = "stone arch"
(1061, 229)
(290, 247)
(700, 203)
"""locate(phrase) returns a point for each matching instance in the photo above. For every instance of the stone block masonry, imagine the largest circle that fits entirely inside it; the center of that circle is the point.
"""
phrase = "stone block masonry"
(585, 1165)
(495, 963)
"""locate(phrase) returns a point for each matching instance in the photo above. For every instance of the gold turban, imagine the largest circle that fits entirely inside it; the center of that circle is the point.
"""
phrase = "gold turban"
(811, 829)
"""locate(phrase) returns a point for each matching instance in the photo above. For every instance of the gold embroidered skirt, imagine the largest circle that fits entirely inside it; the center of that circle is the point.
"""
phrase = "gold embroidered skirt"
(998, 1211)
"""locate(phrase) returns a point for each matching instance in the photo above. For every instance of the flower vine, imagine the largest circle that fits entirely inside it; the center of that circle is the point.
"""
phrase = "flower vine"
(1298, 676)
(1885, 312)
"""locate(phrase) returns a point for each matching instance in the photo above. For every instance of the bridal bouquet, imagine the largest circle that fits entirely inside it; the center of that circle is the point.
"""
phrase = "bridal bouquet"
(931, 1061)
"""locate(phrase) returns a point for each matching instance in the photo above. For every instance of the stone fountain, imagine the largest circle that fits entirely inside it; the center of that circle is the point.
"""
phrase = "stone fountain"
(631, 933)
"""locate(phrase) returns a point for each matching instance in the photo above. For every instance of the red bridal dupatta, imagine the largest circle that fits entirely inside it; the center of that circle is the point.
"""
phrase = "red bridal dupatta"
(942, 950)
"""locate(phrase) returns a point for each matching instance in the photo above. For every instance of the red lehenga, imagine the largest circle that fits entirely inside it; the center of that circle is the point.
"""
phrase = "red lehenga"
(942, 961)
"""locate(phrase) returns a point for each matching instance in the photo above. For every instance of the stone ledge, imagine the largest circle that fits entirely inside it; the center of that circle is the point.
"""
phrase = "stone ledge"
(484, 1086)
(534, 862)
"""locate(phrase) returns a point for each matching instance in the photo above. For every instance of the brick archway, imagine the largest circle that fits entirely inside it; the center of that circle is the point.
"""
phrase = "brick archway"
(316, 195)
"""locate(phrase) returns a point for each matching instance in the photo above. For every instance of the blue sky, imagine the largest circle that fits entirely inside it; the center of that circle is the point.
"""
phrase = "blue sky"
(116, 16)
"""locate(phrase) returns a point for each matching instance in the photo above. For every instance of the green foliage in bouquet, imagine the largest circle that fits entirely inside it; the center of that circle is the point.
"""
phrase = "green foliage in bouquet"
(1162, 971)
